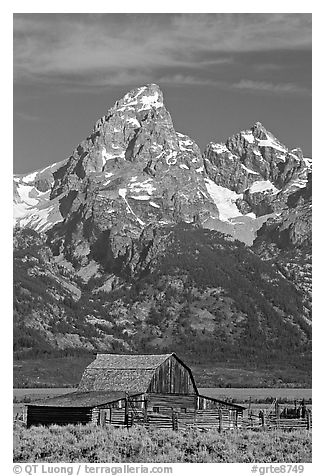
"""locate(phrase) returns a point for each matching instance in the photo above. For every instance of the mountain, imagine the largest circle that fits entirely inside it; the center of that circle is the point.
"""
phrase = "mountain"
(138, 242)
(211, 298)
(286, 241)
(132, 163)
(251, 177)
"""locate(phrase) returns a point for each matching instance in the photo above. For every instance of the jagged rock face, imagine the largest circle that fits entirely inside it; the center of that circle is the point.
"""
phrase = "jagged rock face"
(286, 241)
(292, 227)
(254, 163)
(135, 161)
(133, 170)
(32, 205)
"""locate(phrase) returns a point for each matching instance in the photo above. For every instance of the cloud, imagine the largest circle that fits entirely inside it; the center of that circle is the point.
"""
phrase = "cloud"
(108, 49)
(27, 116)
(181, 79)
(266, 87)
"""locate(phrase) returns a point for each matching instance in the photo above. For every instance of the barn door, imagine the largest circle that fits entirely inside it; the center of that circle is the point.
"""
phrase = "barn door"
(104, 416)
(232, 419)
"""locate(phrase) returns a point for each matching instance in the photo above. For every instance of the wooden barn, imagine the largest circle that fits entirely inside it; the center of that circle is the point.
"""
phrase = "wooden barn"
(121, 390)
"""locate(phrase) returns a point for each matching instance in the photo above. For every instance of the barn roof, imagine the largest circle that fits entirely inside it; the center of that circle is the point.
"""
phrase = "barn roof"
(113, 372)
(130, 362)
(228, 404)
(80, 399)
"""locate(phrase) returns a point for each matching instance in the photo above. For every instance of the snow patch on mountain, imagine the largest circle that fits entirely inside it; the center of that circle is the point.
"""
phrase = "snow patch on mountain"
(171, 158)
(33, 208)
(248, 135)
(106, 156)
(30, 177)
(224, 199)
(122, 192)
(145, 186)
(271, 142)
(151, 101)
(219, 147)
(307, 161)
(263, 186)
(250, 171)
(133, 121)
(140, 197)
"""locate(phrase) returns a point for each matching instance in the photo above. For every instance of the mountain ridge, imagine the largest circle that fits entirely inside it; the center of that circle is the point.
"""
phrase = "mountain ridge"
(142, 220)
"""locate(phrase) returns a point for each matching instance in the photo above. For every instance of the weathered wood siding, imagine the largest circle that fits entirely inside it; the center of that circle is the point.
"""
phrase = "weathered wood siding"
(207, 403)
(168, 402)
(108, 416)
(57, 415)
(172, 377)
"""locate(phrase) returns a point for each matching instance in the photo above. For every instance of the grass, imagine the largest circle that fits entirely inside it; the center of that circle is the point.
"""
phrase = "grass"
(94, 444)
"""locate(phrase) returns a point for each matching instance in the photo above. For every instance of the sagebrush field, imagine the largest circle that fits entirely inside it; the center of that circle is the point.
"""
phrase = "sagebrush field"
(98, 445)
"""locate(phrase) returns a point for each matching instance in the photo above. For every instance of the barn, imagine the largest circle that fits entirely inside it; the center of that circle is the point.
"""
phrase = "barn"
(121, 390)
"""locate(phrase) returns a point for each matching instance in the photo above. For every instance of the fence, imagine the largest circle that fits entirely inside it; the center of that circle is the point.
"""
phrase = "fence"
(220, 420)
(273, 421)
(201, 419)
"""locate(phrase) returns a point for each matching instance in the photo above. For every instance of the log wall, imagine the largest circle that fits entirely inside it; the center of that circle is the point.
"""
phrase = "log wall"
(57, 416)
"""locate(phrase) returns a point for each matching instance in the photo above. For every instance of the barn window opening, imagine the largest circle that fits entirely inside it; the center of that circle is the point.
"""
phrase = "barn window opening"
(155, 409)
(183, 410)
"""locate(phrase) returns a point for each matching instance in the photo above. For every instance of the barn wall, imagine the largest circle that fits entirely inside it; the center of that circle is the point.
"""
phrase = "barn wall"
(172, 377)
(108, 416)
(169, 402)
(206, 403)
(57, 415)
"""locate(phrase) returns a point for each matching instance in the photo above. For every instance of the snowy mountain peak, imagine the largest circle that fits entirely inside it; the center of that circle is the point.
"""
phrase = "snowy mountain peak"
(135, 170)
(140, 99)
(255, 172)
(133, 165)
(259, 131)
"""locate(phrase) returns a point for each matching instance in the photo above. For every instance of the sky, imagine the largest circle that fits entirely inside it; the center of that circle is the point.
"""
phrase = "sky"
(219, 73)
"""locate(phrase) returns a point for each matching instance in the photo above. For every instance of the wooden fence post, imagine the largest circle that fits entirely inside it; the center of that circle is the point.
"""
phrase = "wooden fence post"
(308, 419)
(102, 417)
(277, 413)
(145, 413)
(220, 420)
(262, 419)
(126, 408)
(175, 421)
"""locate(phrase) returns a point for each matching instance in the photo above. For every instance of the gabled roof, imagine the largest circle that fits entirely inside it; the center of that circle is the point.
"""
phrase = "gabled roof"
(80, 399)
(128, 373)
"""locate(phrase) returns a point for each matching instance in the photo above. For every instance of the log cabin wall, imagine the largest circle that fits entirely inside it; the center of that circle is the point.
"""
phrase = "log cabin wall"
(172, 377)
(57, 416)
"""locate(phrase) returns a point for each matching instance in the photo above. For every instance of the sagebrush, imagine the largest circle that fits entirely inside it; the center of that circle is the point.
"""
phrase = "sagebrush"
(112, 445)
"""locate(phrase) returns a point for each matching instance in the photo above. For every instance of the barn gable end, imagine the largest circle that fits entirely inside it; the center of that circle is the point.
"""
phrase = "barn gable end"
(172, 376)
